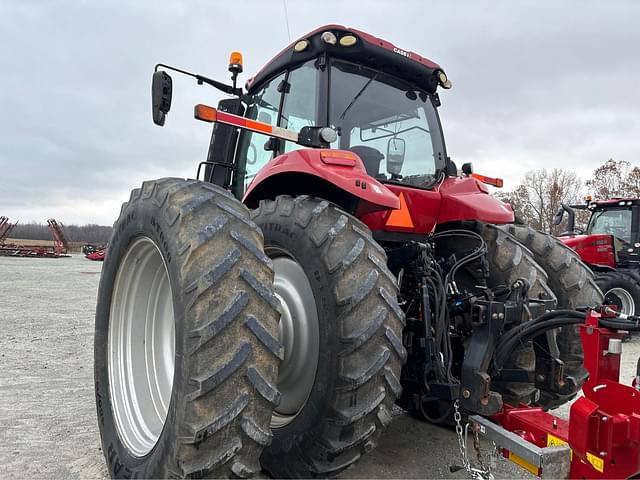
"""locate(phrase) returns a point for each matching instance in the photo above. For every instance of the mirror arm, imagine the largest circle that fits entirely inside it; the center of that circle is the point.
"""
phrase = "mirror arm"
(201, 79)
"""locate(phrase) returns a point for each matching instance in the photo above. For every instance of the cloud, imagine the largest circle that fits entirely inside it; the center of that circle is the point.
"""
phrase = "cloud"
(534, 86)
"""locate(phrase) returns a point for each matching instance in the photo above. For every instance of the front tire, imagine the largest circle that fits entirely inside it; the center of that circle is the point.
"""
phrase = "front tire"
(186, 354)
(341, 327)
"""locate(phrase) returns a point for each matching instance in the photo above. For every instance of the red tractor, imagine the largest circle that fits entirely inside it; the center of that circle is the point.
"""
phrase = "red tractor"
(610, 246)
(327, 263)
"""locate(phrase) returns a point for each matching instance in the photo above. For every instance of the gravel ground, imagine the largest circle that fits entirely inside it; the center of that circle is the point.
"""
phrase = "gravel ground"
(48, 424)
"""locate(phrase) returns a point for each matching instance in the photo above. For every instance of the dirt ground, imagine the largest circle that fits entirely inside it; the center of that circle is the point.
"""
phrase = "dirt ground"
(48, 424)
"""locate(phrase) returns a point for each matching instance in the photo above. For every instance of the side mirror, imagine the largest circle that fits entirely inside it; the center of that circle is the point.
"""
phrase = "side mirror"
(395, 156)
(161, 89)
(557, 219)
(571, 217)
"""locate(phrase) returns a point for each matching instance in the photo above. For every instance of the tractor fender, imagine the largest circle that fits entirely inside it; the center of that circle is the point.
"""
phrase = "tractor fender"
(465, 198)
(335, 175)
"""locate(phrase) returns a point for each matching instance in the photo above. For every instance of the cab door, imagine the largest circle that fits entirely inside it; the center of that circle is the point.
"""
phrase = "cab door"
(290, 100)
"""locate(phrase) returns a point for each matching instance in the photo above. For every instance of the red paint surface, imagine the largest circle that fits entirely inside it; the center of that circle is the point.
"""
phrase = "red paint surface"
(363, 36)
(604, 423)
(596, 249)
(387, 46)
(455, 199)
(349, 177)
(98, 255)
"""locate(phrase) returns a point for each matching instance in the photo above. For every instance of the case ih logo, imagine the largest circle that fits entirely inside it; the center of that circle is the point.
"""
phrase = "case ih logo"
(401, 52)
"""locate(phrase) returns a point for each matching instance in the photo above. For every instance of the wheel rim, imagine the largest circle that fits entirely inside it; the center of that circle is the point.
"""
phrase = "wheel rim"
(299, 334)
(141, 347)
(622, 299)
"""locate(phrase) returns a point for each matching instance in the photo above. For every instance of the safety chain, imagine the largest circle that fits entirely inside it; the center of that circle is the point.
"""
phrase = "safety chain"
(457, 417)
(482, 473)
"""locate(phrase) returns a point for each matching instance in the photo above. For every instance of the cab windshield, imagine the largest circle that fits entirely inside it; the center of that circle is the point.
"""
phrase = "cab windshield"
(391, 126)
(612, 221)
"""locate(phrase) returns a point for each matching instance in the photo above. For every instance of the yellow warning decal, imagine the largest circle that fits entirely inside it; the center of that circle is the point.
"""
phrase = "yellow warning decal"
(553, 441)
(524, 464)
(596, 462)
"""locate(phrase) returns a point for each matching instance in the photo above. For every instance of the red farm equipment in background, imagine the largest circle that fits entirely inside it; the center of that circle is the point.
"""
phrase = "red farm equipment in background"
(5, 229)
(601, 439)
(59, 249)
(97, 255)
(610, 246)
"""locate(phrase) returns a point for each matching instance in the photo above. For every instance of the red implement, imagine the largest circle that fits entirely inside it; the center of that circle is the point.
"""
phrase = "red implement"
(603, 430)
(98, 255)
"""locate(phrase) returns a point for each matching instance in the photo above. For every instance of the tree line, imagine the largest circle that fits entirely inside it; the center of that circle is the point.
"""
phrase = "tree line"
(537, 198)
(95, 234)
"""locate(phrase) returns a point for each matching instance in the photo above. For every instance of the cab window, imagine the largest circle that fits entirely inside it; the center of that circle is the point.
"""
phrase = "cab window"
(263, 108)
(300, 107)
(614, 221)
(392, 126)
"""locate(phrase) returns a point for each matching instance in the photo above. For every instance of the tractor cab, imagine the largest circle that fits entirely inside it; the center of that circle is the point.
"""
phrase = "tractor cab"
(342, 115)
(612, 236)
(614, 218)
(619, 218)
(381, 102)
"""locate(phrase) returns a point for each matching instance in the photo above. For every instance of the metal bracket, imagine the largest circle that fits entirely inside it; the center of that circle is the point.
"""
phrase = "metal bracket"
(477, 396)
(547, 462)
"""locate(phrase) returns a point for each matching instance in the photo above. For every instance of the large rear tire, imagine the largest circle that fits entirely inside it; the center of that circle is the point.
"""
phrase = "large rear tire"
(341, 327)
(509, 260)
(186, 350)
(574, 285)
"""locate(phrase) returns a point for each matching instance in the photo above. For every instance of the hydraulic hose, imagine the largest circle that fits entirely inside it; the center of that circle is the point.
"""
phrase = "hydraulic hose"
(551, 321)
(632, 326)
(546, 316)
(506, 347)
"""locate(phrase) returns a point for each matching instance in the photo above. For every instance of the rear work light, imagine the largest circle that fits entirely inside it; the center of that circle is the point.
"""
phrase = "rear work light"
(301, 46)
(348, 40)
(329, 37)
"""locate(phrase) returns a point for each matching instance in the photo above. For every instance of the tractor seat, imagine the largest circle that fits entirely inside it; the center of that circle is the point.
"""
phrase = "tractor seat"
(370, 157)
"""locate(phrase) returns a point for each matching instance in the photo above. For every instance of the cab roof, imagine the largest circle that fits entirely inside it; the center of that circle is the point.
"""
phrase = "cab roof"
(368, 50)
(615, 202)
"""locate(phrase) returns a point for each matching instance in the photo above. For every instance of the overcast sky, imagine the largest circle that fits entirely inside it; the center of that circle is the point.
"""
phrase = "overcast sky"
(535, 84)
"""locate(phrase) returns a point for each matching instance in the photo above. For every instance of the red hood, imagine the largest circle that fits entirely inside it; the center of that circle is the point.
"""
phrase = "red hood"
(468, 199)
(596, 249)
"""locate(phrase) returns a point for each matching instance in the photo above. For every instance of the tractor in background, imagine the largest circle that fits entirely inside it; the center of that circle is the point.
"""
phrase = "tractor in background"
(610, 246)
(328, 261)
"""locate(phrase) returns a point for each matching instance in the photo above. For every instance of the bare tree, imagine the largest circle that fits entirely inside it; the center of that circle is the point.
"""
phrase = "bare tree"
(615, 178)
(632, 182)
(539, 196)
(96, 234)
